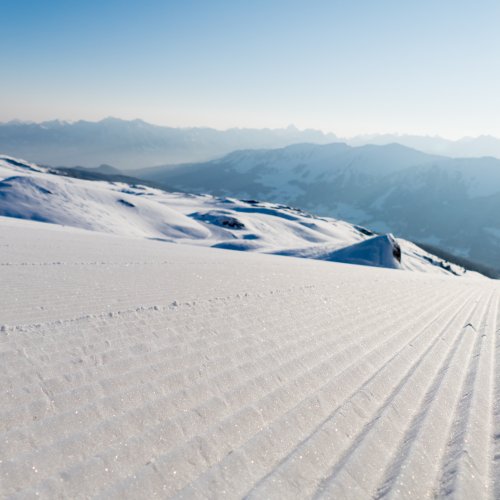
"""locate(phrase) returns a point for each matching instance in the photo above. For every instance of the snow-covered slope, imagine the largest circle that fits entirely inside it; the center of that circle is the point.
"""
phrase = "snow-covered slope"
(138, 369)
(449, 203)
(34, 193)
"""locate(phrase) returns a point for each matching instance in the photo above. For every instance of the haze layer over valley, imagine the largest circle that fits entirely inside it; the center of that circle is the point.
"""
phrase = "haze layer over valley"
(132, 144)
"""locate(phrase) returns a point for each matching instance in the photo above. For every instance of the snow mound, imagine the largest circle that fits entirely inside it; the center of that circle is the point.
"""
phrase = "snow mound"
(378, 251)
(8, 165)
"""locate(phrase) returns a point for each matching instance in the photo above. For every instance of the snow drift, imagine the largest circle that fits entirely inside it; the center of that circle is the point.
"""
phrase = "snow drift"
(378, 251)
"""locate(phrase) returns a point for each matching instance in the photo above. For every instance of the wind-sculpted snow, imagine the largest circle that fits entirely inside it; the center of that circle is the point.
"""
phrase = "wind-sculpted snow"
(83, 204)
(34, 193)
(379, 251)
(132, 368)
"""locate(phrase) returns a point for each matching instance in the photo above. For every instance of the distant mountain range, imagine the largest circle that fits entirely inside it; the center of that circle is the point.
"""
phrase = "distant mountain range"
(467, 147)
(134, 144)
(449, 203)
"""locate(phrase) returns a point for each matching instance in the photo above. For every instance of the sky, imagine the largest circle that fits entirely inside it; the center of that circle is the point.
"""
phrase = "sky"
(428, 67)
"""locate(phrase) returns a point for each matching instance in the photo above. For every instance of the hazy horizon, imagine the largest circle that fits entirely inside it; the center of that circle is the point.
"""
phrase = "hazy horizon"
(243, 127)
(351, 69)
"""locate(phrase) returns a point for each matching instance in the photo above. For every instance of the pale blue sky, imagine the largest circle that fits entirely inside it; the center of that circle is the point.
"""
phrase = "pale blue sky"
(352, 66)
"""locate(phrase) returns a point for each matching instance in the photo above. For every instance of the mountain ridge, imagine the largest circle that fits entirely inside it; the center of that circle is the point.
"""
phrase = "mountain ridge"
(450, 203)
(132, 144)
(135, 143)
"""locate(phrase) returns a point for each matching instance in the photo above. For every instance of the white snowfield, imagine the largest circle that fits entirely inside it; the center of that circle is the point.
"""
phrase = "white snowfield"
(133, 368)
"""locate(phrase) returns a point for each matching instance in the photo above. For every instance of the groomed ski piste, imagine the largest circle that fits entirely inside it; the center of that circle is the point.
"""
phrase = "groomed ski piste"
(138, 368)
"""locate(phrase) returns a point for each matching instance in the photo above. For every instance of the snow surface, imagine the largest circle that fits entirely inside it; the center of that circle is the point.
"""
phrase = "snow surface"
(134, 368)
(31, 192)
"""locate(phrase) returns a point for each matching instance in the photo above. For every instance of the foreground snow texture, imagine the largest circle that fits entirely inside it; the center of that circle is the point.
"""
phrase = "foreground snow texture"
(134, 368)
(31, 192)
